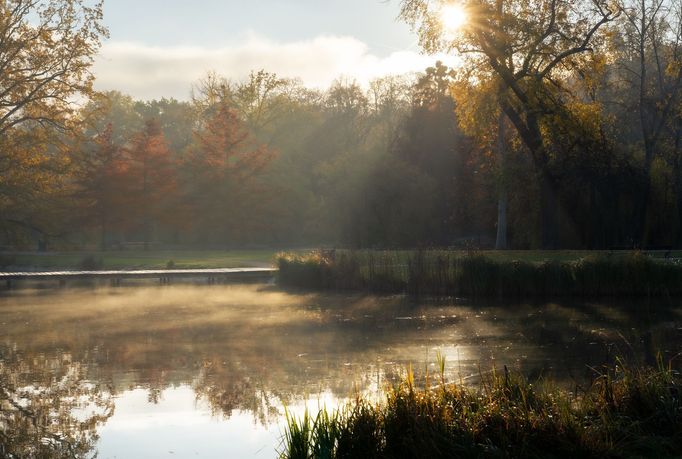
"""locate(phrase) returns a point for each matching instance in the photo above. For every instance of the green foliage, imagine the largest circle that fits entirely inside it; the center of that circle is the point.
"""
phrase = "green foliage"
(625, 412)
(297, 437)
(325, 435)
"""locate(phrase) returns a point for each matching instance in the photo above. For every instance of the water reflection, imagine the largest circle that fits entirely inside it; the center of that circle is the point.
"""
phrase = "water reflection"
(237, 355)
(47, 407)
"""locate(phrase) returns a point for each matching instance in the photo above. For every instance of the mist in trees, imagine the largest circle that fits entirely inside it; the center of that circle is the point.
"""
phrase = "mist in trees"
(561, 127)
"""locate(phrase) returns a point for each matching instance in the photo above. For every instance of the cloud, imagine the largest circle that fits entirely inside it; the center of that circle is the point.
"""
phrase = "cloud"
(149, 72)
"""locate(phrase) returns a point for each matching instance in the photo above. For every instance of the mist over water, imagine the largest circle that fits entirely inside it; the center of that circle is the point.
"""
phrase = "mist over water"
(207, 371)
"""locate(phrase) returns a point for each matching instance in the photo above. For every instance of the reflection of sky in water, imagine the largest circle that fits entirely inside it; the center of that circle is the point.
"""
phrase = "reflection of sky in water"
(206, 371)
(186, 427)
(179, 426)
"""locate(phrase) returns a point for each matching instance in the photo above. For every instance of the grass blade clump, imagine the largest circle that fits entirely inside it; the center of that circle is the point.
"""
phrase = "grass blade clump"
(297, 438)
(325, 435)
(359, 431)
(625, 413)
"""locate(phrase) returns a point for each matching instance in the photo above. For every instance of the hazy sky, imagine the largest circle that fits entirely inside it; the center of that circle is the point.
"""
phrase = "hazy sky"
(160, 47)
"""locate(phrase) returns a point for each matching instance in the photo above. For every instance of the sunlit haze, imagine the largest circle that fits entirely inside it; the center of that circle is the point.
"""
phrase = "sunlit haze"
(285, 228)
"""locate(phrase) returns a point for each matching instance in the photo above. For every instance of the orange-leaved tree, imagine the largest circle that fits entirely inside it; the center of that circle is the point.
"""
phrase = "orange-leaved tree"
(151, 184)
(223, 181)
(101, 185)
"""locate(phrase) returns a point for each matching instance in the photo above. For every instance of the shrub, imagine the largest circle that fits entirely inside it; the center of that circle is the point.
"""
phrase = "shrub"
(90, 263)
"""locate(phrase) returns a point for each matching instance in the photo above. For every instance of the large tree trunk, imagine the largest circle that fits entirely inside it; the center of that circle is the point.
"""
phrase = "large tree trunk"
(501, 240)
(643, 215)
(677, 177)
(531, 135)
(103, 241)
(593, 231)
(549, 210)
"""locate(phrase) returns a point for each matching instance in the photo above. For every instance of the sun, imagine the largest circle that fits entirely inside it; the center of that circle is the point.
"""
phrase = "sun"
(453, 17)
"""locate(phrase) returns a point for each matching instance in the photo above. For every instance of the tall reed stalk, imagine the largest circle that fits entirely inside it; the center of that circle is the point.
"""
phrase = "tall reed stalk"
(447, 273)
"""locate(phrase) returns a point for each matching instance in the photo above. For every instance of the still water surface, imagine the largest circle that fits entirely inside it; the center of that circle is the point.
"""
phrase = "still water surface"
(197, 371)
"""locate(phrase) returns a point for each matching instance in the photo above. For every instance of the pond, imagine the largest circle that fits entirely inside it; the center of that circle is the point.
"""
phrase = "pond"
(207, 371)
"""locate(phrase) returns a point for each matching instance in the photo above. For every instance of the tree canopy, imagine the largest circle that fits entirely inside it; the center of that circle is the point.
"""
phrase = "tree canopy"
(47, 48)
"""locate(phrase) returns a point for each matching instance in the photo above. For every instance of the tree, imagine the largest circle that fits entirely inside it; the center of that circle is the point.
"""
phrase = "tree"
(50, 407)
(176, 119)
(649, 47)
(389, 100)
(111, 110)
(430, 139)
(259, 101)
(481, 119)
(222, 165)
(101, 181)
(528, 46)
(151, 179)
(46, 50)
(348, 109)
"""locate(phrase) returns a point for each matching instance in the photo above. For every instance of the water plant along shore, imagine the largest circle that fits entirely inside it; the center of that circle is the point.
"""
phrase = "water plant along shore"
(450, 273)
(625, 412)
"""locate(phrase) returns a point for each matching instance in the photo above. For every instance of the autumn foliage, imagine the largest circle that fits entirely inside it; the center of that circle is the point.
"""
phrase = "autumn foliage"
(141, 190)
(221, 182)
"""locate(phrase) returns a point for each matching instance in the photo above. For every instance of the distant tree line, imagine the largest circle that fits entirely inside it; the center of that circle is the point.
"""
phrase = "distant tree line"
(561, 128)
(266, 161)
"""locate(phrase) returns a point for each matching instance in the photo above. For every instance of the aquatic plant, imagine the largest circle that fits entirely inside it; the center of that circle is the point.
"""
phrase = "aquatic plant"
(451, 273)
(625, 412)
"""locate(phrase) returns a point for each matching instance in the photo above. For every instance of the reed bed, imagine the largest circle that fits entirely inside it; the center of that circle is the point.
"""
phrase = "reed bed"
(624, 413)
(449, 273)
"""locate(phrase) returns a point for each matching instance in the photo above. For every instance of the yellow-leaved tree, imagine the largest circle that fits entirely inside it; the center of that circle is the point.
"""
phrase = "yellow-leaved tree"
(47, 48)
(532, 50)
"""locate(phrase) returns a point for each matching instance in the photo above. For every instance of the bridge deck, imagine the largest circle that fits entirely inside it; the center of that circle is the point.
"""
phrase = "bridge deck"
(164, 275)
(138, 273)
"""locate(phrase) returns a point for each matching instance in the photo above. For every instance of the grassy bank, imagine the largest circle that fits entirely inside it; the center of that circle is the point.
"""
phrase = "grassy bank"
(624, 413)
(138, 259)
(479, 275)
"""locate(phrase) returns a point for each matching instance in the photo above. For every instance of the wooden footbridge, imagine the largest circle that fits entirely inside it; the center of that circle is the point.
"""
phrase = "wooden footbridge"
(164, 276)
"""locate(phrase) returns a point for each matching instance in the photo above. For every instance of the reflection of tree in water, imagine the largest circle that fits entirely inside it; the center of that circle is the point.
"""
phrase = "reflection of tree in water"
(47, 407)
(246, 349)
(227, 389)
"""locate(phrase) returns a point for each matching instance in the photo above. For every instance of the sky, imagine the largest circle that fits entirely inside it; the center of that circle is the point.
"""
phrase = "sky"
(159, 48)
